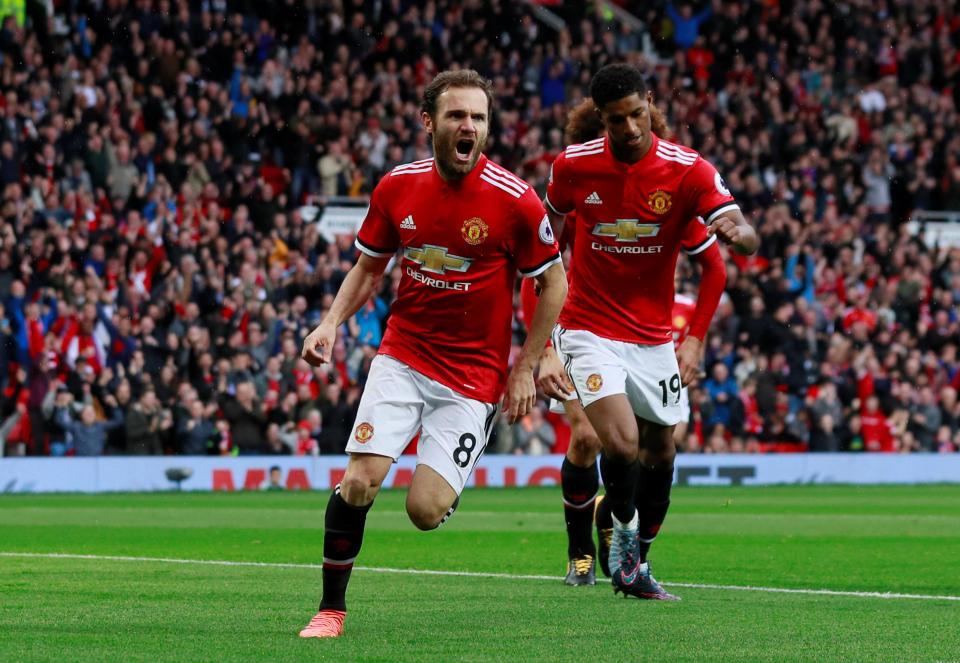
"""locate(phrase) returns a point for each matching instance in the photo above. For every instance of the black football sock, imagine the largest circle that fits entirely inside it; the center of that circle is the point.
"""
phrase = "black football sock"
(619, 479)
(579, 488)
(652, 499)
(342, 536)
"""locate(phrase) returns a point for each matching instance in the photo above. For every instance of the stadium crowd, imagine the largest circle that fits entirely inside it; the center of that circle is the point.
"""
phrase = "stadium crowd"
(157, 276)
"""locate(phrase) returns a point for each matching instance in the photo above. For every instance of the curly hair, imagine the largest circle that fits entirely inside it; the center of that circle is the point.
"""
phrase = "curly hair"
(658, 122)
(616, 81)
(584, 123)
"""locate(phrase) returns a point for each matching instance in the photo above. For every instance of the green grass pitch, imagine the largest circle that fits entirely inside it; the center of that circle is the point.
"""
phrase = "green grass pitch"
(852, 540)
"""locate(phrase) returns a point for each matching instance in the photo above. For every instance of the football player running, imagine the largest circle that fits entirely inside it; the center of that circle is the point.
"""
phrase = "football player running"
(639, 200)
(463, 226)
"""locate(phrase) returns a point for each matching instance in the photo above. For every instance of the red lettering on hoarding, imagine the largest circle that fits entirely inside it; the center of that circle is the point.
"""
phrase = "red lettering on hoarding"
(402, 478)
(336, 476)
(542, 474)
(297, 479)
(223, 480)
(480, 477)
(509, 476)
(255, 477)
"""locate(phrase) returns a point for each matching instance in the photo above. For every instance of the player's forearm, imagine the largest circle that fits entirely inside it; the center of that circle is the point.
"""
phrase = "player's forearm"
(354, 292)
(553, 292)
(713, 279)
(749, 240)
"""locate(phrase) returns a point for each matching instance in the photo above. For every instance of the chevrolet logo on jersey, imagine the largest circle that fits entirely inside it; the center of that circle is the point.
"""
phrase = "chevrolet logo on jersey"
(627, 230)
(436, 259)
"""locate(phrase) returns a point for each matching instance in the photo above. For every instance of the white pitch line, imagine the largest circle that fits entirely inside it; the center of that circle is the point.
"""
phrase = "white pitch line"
(473, 574)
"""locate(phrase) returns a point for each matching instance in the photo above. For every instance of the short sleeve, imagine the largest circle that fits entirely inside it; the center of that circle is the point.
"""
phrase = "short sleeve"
(695, 238)
(535, 248)
(560, 187)
(709, 193)
(378, 236)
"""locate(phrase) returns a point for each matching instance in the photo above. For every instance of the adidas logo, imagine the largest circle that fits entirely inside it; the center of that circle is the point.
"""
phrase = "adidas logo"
(593, 199)
(408, 224)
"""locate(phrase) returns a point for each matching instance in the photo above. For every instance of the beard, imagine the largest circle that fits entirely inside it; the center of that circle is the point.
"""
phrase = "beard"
(445, 153)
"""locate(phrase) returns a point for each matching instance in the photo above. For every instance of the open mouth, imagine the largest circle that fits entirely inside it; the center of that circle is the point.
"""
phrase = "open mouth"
(463, 150)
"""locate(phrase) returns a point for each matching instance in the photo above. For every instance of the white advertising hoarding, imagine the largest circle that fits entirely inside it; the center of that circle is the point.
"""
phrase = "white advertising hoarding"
(148, 473)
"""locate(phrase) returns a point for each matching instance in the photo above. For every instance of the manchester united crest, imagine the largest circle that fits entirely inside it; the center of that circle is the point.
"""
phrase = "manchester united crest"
(660, 202)
(363, 433)
(594, 382)
(474, 230)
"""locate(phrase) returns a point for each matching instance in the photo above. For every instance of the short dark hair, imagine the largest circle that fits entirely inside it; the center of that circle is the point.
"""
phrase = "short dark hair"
(616, 81)
(459, 78)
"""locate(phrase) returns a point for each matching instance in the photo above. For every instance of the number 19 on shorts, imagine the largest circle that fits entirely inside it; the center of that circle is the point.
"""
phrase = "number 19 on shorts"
(674, 384)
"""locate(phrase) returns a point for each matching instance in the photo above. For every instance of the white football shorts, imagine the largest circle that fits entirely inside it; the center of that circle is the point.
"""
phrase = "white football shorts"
(684, 405)
(399, 401)
(648, 375)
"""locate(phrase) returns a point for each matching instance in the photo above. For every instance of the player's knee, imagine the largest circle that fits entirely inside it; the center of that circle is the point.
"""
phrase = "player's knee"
(661, 452)
(660, 448)
(423, 515)
(583, 450)
(359, 487)
(620, 447)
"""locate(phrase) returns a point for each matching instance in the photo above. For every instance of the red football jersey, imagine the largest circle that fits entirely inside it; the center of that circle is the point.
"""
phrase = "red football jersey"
(683, 308)
(632, 220)
(462, 244)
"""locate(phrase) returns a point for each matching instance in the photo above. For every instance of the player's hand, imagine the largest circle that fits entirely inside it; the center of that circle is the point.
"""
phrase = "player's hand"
(318, 345)
(520, 394)
(726, 230)
(553, 378)
(688, 357)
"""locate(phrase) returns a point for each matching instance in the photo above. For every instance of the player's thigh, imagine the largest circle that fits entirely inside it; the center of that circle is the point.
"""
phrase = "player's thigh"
(390, 409)
(594, 364)
(656, 443)
(653, 382)
(584, 442)
(455, 433)
(429, 497)
(613, 419)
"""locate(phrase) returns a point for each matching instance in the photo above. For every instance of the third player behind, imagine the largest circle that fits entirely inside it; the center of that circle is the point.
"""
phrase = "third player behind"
(637, 199)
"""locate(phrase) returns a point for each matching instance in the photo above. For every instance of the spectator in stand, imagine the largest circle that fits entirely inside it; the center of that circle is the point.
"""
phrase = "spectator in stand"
(831, 128)
(925, 420)
(196, 432)
(824, 435)
(89, 435)
(245, 416)
(145, 424)
(722, 390)
(686, 24)
(277, 442)
(532, 434)
(306, 444)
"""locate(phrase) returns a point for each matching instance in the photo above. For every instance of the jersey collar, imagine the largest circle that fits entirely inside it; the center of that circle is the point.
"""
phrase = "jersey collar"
(471, 177)
(630, 166)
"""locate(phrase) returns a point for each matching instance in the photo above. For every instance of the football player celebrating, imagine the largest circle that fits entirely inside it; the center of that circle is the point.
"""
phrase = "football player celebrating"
(463, 227)
(637, 199)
